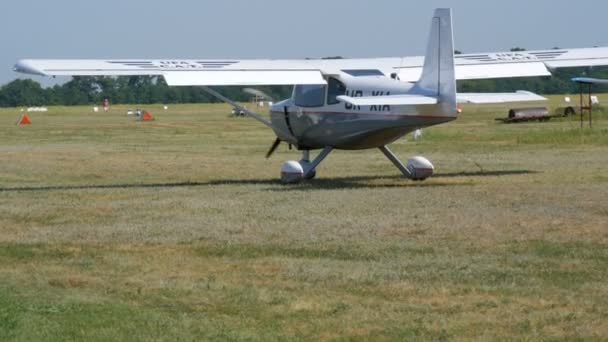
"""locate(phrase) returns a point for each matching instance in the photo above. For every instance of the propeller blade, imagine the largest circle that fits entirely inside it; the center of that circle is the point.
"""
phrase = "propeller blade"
(273, 148)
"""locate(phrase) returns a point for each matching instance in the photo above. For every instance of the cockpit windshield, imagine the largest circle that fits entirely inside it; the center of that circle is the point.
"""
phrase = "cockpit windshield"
(309, 95)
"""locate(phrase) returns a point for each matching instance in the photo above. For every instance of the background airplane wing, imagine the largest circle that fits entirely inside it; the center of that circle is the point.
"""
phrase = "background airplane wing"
(588, 80)
(288, 72)
(486, 98)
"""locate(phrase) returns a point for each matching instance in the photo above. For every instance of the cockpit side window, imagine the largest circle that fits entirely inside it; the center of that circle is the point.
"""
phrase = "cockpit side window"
(309, 95)
(335, 88)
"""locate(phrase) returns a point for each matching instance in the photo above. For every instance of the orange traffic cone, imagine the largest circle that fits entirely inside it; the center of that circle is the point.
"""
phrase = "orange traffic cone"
(23, 120)
(146, 117)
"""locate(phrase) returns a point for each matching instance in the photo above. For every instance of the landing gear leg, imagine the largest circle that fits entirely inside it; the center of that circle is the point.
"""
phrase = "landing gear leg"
(310, 168)
(306, 155)
(418, 168)
(393, 158)
(305, 162)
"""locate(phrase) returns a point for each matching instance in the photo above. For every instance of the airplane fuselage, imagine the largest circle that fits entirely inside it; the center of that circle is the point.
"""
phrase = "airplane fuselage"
(312, 118)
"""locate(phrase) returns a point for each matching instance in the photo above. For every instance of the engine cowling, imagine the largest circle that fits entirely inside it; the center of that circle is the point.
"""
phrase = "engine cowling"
(420, 168)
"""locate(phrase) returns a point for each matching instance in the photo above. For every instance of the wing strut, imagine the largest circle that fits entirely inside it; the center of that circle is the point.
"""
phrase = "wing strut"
(236, 105)
(253, 115)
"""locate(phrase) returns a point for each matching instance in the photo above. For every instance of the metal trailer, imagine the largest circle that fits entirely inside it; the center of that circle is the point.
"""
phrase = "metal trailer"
(527, 114)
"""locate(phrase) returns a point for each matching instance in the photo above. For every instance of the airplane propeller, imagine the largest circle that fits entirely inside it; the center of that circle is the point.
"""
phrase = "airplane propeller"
(273, 148)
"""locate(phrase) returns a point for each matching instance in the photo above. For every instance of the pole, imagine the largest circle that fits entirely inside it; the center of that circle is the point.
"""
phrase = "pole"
(582, 108)
(590, 107)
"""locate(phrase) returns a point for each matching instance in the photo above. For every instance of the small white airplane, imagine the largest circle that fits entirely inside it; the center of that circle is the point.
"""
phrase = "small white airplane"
(350, 104)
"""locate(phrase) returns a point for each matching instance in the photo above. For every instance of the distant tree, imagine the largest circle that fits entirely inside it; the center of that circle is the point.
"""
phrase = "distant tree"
(517, 49)
(457, 52)
(141, 88)
(107, 89)
(22, 93)
(79, 91)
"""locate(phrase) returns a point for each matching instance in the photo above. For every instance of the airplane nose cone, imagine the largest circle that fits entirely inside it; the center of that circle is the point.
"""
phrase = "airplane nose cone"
(26, 67)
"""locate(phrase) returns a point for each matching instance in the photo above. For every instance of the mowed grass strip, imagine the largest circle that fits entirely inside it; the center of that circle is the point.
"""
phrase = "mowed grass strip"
(177, 229)
(215, 291)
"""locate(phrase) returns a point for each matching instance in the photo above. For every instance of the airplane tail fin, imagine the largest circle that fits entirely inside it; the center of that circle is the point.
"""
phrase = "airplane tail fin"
(438, 74)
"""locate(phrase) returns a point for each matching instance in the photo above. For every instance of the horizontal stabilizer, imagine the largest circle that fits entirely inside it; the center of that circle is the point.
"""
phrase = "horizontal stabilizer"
(488, 98)
(389, 100)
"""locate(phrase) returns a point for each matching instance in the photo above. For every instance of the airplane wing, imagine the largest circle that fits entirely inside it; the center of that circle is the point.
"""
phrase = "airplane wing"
(184, 72)
(516, 64)
(287, 72)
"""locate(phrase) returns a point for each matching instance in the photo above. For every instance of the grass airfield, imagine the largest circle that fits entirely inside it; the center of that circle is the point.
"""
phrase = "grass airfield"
(178, 229)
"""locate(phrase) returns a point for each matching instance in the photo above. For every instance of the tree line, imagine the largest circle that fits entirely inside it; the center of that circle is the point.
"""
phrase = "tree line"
(153, 89)
(89, 90)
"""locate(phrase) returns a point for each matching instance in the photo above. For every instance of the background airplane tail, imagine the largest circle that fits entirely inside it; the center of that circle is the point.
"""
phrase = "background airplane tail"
(438, 75)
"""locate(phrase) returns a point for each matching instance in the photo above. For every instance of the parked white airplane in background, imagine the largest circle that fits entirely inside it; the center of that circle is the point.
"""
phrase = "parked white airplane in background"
(350, 103)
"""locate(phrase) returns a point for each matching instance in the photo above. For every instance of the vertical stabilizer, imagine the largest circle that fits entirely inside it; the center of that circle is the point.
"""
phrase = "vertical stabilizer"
(438, 76)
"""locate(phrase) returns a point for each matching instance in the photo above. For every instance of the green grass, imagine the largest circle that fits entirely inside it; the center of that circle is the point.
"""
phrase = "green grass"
(177, 229)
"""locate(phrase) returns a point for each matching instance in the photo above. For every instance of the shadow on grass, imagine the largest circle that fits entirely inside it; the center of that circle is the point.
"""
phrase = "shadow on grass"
(319, 184)
(485, 173)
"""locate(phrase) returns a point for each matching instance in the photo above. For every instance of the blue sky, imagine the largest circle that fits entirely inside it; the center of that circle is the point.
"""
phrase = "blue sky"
(284, 28)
